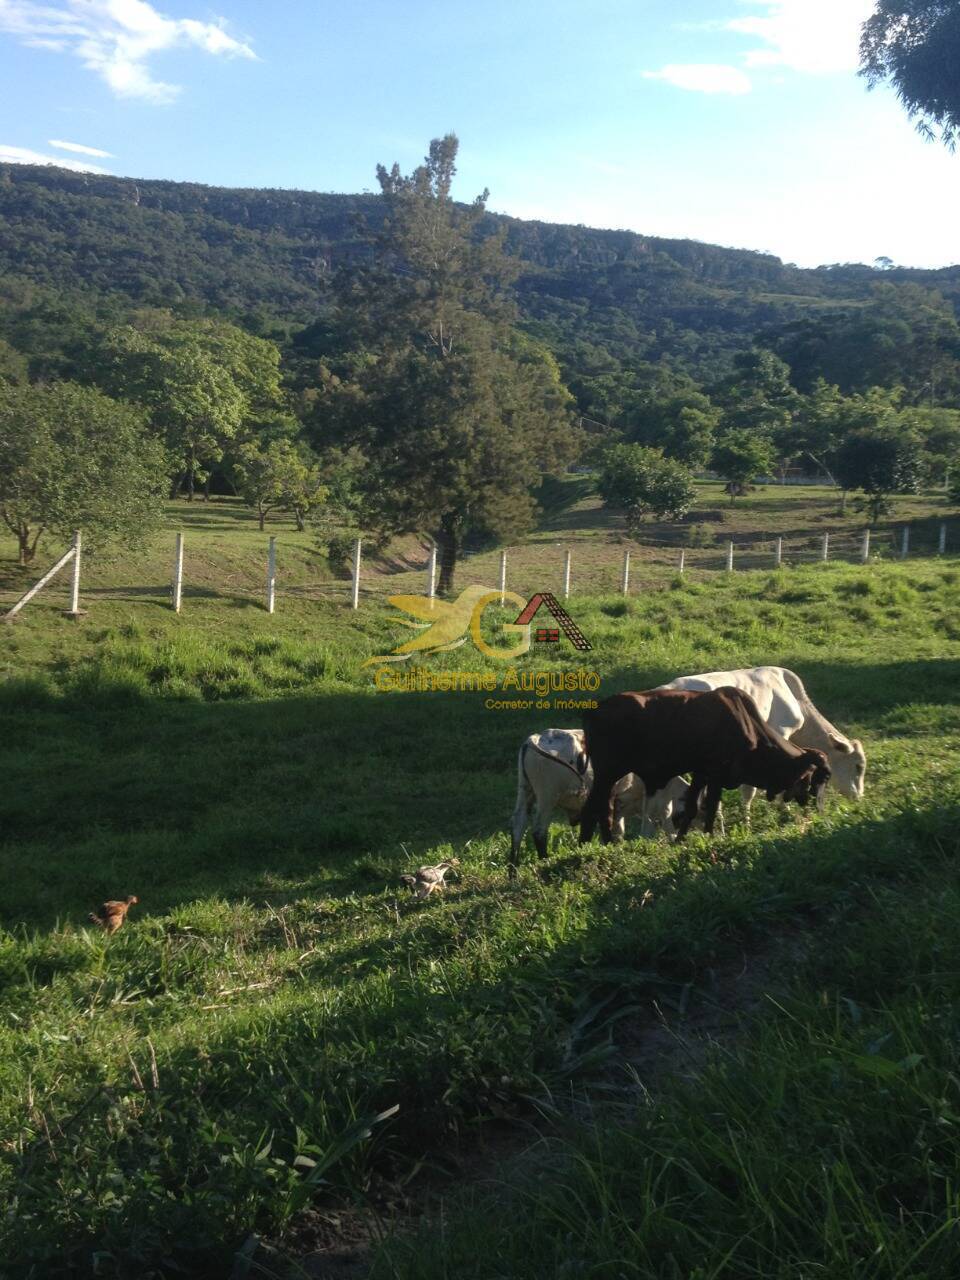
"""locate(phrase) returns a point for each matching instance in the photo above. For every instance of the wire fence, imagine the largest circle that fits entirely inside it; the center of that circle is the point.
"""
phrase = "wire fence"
(579, 565)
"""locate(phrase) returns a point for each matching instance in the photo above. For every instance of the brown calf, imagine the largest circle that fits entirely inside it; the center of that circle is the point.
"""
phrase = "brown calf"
(718, 736)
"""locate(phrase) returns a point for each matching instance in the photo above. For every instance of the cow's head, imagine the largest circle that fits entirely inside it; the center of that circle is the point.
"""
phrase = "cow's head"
(848, 765)
(811, 781)
(679, 799)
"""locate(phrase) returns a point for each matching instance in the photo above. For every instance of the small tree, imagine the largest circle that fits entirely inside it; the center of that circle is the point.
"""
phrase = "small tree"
(71, 458)
(880, 461)
(641, 482)
(739, 457)
(279, 474)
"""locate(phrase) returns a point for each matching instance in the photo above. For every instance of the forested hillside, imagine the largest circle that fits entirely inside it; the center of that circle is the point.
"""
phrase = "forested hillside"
(600, 299)
(308, 351)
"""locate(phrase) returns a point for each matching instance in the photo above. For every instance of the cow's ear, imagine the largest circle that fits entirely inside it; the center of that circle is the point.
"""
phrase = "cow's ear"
(839, 745)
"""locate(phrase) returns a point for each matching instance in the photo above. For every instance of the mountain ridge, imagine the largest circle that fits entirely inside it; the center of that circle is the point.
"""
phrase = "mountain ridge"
(264, 256)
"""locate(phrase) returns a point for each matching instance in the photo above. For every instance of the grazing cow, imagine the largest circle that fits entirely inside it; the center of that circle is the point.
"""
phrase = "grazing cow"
(785, 705)
(553, 774)
(718, 736)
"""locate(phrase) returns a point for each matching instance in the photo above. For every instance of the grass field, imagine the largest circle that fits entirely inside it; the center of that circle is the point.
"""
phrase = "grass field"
(213, 1073)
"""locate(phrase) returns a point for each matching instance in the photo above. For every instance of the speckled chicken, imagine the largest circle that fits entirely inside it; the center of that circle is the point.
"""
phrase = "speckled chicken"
(429, 879)
(113, 913)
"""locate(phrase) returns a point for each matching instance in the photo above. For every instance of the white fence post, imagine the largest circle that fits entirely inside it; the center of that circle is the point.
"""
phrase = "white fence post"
(942, 544)
(271, 575)
(38, 586)
(355, 593)
(432, 573)
(178, 574)
(74, 610)
(503, 577)
(905, 544)
(729, 557)
(566, 575)
(683, 555)
(779, 553)
(625, 577)
(825, 549)
(865, 549)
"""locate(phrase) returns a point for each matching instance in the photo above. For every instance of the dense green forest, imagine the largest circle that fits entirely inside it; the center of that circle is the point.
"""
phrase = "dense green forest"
(602, 300)
(258, 333)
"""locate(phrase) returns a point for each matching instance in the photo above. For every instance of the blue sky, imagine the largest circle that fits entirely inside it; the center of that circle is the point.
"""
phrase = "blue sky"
(738, 122)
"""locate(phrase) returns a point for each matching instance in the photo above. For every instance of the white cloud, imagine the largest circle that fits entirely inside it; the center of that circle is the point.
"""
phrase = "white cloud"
(115, 38)
(80, 149)
(811, 36)
(22, 155)
(703, 77)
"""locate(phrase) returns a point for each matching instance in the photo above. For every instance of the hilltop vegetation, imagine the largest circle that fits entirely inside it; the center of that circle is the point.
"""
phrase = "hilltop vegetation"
(266, 258)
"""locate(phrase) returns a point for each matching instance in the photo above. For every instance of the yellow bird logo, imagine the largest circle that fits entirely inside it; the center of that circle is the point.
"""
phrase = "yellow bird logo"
(445, 624)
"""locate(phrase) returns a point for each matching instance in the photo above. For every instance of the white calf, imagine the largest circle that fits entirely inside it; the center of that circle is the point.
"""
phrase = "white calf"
(554, 775)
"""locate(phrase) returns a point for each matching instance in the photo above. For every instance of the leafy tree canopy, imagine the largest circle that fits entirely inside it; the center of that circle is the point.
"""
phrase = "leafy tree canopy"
(71, 458)
(903, 336)
(199, 380)
(757, 395)
(881, 460)
(683, 425)
(739, 457)
(278, 474)
(640, 481)
(915, 45)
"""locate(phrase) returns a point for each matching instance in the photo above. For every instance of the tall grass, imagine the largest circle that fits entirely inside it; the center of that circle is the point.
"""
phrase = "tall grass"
(822, 1142)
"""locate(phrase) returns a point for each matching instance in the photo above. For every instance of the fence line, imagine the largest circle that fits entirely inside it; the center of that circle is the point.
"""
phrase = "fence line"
(74, 555)
(537, 566)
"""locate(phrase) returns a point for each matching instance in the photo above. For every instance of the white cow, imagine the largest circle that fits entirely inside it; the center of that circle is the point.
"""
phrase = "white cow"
(783, 702)
(553, 773)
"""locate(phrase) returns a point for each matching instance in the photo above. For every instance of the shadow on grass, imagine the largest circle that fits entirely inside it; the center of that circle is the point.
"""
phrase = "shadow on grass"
(475, 1044)
(186, 799)
(161, 595)
(112, 792)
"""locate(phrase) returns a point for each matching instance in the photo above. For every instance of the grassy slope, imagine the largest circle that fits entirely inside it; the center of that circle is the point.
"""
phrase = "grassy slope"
(237, 772)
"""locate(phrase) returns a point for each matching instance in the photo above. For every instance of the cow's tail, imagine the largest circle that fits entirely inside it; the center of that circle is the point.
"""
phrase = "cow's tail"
(523, 782)
(521, 811)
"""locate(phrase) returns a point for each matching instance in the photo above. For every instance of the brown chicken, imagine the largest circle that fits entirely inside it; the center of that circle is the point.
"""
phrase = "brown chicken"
(112, 914)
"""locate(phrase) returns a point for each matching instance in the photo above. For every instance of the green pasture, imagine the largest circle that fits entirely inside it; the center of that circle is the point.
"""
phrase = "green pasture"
(211, 1077)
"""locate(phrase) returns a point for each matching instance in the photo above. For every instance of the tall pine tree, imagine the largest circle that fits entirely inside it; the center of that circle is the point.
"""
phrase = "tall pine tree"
(458, 414)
